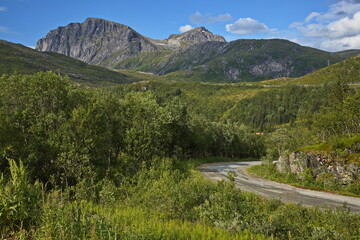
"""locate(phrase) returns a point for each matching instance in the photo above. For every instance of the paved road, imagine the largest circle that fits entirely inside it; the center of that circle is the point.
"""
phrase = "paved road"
(248, 182)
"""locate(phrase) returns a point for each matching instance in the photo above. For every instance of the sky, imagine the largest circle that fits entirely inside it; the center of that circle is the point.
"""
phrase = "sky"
(331, 25)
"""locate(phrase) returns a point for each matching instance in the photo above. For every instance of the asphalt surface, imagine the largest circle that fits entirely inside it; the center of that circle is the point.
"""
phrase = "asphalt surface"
(269, 189)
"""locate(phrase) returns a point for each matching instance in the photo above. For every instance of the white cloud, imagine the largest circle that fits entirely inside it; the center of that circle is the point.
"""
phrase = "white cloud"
(341, 44)
(185, 28)
(311, 16)
(199, 18)
(339, 10)
(245, 26)
(345, 27)
(334, 30)
(3, 8)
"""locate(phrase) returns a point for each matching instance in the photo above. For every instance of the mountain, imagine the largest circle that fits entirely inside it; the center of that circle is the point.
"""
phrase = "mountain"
(347, 71)
(16, 58)
(191, 37)
(102, 42)
(240, 60)
(348, 53)
(196, 55)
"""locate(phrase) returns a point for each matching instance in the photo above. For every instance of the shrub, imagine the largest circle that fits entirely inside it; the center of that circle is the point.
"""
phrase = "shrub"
(20, 201)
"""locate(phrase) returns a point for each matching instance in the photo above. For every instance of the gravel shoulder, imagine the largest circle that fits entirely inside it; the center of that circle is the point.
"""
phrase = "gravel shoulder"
(270, 189)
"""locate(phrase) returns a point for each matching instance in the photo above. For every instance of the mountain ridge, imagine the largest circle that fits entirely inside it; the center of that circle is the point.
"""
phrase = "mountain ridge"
(196, 55)
(103, 42)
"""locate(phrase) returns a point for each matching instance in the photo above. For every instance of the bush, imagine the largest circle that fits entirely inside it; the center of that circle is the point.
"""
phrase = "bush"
(20, 201)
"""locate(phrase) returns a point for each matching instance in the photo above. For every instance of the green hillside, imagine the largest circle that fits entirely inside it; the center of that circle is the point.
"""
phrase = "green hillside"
(237, 61)
(347, 71)
(16, 58)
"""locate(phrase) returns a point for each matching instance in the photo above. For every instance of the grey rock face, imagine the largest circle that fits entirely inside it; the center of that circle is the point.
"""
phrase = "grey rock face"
(269, 67)
(320, 165)
(194, 36)
(95, 41)
(106, 43)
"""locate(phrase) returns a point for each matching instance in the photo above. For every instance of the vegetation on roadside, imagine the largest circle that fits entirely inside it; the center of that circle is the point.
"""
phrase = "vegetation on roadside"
(306, 180)
(79, 164)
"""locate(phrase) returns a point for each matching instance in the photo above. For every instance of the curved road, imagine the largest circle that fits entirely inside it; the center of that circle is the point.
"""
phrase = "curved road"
(248, 182)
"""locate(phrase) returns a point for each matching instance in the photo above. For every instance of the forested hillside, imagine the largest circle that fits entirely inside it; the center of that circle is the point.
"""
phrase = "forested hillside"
(18, 59)
(119, 162)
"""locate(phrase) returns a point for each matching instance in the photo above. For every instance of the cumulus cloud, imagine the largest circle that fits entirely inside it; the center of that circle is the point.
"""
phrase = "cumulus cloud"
(185, 28)
(199, 18)
(344, 27)
(334, 30)
(245, 26)
(3, 8)
(339, 10)
(341, 44)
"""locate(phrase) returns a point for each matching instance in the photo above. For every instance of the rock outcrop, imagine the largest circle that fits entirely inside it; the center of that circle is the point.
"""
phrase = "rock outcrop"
(321, 164)
(194, 36)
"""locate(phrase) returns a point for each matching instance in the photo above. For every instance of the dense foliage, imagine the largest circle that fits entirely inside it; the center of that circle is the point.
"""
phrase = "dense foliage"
(112, 164)
(66, 133)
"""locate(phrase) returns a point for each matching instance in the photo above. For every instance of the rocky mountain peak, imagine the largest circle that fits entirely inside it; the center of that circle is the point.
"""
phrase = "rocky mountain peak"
(193, 36)
(96, 41)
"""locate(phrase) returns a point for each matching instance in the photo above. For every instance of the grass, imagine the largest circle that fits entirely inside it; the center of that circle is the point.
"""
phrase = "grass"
(86, 220)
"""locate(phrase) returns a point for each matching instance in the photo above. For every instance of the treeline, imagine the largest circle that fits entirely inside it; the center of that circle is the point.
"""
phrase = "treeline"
(258, 107)
(99, 164)
(64, 134)
(270, 109)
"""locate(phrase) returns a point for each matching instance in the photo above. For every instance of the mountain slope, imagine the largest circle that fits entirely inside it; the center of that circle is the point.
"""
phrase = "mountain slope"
(196, 55)
(102, 42)
(347, 71)
(16, 58)
(348, 53)
(241, 60)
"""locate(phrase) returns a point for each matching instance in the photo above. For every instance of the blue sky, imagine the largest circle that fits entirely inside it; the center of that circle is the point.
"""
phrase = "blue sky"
(331, 25)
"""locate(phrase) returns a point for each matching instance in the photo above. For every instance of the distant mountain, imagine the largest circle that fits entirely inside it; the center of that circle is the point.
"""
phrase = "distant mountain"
(241, 60)
(16, 58)
(347, 71)
(196, 55)
(101, 42)
(348, 53)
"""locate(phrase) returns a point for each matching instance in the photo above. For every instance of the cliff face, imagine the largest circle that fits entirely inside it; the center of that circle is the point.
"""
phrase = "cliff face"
(96, 41)
(322, 165)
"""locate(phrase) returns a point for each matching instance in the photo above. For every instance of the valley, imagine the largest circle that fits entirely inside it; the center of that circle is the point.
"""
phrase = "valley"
(107, 134)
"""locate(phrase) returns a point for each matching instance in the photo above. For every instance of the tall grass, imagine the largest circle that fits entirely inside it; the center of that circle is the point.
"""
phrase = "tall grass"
(86, 220)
